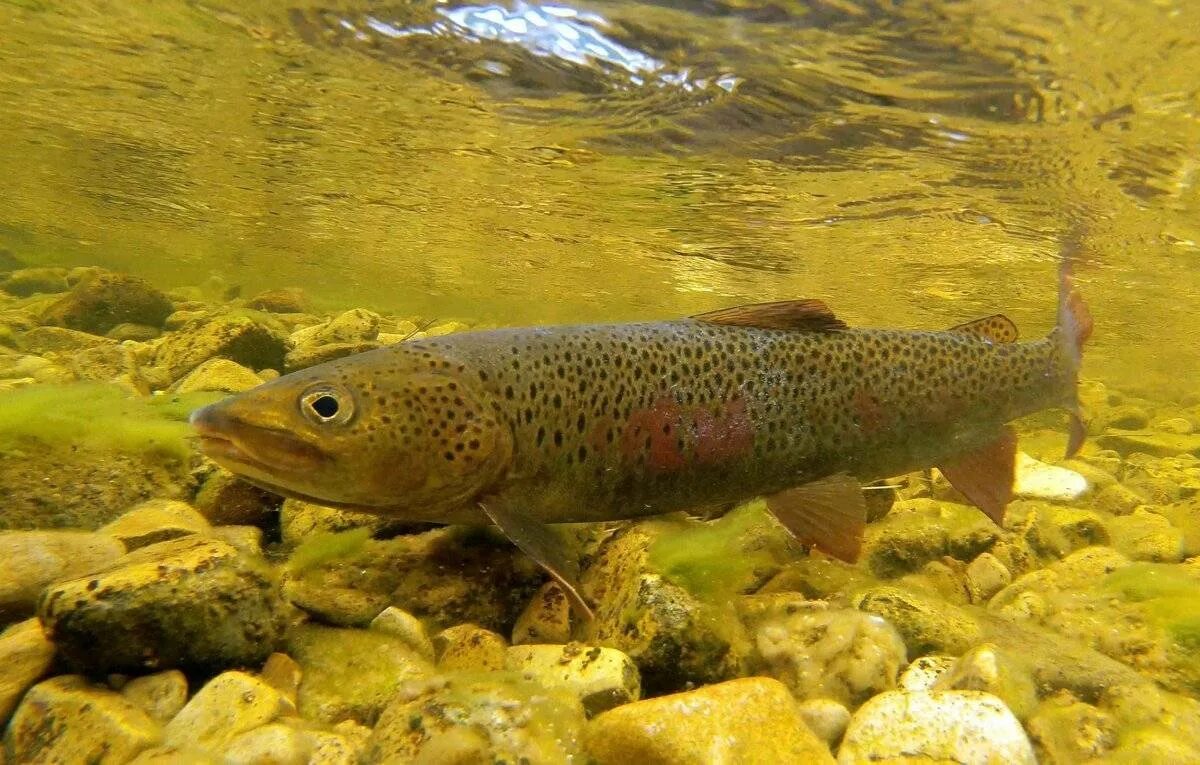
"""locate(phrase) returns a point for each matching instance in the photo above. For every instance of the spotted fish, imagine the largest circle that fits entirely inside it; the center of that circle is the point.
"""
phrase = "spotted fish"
(524, 428)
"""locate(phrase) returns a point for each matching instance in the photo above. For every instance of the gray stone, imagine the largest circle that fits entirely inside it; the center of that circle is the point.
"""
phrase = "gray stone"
(190, 602)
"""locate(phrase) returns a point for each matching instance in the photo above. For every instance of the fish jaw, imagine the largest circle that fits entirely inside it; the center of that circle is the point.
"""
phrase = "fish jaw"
(255, 451)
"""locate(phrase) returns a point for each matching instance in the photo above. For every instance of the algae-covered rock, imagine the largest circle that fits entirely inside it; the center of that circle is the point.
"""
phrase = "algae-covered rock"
(1065, 730)
(985, 576)
(103, 300)
(927, 624)
(673, 636)
(299, 520)
(821, 652)
(48, 340)
(493, 717)
(353, 326)
(139, 333)
(282, 300)
(190, 602)
(546, 618)
(220, 375)
(752, 719)
(351, 674)
(469, 648)
(25, 657)
(65, 719)
(1158, 444)
(228, 705)
(922, 530)
(247, 539)
(447, 576)
(225, 499)
(402, 624)
(34, 559)
(939, 726)
(247, 339)
(156, 521)
(24, 282)
(1147, 536)
(924, 672)
(282, 673)
(311, 355)
(602, 678)
(296, 741)
(996, 670)
(160, 695)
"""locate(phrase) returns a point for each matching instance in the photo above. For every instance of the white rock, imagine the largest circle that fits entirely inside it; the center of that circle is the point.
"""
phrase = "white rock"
(826, 718)
(964, 727)
(1037, 480)
(924, 672)
(407, 627)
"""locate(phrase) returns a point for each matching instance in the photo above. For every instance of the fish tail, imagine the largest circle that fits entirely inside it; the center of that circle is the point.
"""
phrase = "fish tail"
(1073, 330)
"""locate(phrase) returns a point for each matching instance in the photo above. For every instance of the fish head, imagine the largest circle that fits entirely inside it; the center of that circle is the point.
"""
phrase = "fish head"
(382, 434)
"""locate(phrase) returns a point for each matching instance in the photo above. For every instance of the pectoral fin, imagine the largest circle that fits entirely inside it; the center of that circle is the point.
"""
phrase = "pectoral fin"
(985, 475)
(542, 543)
(829, 514)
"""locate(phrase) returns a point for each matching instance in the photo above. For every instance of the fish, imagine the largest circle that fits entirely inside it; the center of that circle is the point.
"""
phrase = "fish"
(526, 428)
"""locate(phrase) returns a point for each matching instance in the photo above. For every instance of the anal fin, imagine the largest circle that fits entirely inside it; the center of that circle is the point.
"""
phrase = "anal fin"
(829, 514)
(985, 475)
(542, 543)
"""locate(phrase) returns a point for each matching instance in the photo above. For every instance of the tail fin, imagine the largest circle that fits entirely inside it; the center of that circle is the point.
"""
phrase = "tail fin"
(1074, 328)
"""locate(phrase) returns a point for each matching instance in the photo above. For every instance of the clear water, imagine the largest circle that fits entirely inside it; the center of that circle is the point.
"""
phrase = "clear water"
(913, 163)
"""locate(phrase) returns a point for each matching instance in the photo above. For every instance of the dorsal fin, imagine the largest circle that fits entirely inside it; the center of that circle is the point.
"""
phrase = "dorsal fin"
(800, 315)
(998, 328)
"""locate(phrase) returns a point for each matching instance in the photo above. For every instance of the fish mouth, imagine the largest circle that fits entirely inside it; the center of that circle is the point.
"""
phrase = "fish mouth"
(244, 447)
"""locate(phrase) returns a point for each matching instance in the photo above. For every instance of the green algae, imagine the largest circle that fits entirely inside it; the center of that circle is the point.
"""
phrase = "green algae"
(716, 560)
(98, 416)
(1170, 596)
(325, 546)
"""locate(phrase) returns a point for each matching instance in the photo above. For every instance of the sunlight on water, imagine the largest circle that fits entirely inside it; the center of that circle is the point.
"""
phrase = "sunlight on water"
(914, 164)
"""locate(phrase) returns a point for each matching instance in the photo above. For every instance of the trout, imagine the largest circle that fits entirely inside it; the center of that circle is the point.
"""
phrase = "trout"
(522, 428)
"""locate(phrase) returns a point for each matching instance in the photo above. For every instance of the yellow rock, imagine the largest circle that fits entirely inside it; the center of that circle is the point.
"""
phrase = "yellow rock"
(25, 656)
(749, 720)
(228, 705)
(34, 559)
(160, 695)
(66, 720)
(156, 521)
(546, 619)
(469, 648)
(402, 624)
(602, 678)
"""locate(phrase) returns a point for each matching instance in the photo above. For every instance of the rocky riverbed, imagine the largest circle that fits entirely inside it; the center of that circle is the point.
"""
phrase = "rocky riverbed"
(156, 609)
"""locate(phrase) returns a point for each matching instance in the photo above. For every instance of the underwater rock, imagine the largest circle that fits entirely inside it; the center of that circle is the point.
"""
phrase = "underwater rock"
(1058, 531)
(175, 755)
(294, 741)
(1163, 480)
(228, 705)
(985, 576)
(1122, 417)
(1037, 480)
(35, 559)
(939, 726)
(282, 673)
(247, 539)
(546, 618)
(402, 624)
(921, 530)
(108, 363)
(995, 670)
(826, 718)
(140, 333)
(355, 326)
(1065, 730)
(160, 695)
(25, 657)
(602, 678)
(47, 340)
(672, 636)
(445, 328)
(468, 648)
(351, 674)
(102, 300)
(751, 719)
(32, 369)
(1178, 425)
(927, 624)
(450, 575)
(310, 355)
(24, 282)
(218, 374)
(156, 521)
(241, 338)
(493, 717)
(299, 520)
(1117, 499)
(282, 300)
(924, 672)
(190, 602)
(224, 499)
(821, 652)
(1146, 536)
(1157, 444)
(65, 719)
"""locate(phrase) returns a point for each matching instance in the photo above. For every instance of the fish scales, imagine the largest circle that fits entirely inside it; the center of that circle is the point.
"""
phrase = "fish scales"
(641, 419)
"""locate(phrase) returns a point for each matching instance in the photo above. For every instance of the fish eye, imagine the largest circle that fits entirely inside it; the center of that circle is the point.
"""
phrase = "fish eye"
(325, 404)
